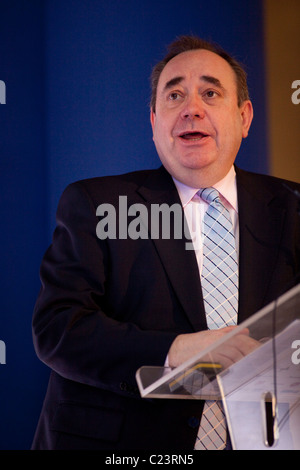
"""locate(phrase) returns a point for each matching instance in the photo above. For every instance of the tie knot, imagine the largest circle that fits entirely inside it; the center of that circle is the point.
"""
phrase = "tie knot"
(210, 195)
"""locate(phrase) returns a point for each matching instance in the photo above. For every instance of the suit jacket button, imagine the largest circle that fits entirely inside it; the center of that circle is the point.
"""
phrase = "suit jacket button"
(123, 386)
(194, 422)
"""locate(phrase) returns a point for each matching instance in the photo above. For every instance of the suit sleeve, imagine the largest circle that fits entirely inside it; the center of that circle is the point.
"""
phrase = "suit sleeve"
(74, 333)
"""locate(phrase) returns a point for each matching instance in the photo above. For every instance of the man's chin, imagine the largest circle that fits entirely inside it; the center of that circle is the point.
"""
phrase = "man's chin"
(190, 176)
(196, 162)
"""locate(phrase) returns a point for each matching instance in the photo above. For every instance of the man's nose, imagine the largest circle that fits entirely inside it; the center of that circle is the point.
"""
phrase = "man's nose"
(194, 108)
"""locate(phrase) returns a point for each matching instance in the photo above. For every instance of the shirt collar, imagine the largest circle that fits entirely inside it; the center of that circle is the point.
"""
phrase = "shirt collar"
(226, 187)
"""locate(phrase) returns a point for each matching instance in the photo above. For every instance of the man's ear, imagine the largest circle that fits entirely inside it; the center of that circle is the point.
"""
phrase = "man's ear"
(247, 116)
(152, 119)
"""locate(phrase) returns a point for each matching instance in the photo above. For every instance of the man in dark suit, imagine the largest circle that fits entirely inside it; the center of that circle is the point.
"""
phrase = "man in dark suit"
(111, 303)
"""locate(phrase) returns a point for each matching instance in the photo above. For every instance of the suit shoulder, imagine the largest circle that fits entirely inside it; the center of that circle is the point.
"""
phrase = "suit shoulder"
(268, 182)
(112, 186)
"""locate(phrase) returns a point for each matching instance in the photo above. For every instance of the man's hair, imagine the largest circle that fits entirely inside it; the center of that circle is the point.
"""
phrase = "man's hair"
(189, 43)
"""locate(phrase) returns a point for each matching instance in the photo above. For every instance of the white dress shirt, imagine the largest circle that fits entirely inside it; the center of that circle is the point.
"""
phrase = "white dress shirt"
(194, 209)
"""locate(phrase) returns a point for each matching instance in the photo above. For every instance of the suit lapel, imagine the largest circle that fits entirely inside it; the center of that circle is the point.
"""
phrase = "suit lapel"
(179, 263)
(260, 228)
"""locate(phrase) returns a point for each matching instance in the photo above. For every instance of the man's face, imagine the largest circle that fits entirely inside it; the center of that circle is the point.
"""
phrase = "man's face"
(197, 125)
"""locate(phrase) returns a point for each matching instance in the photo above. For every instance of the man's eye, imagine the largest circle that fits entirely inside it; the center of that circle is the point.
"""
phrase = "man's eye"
(211, 93)
(174, 96)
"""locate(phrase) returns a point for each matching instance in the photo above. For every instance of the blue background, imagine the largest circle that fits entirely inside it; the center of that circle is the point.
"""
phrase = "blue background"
(77, 105)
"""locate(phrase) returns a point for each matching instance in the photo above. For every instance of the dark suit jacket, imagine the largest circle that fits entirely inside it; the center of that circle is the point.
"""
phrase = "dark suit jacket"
(108, 307)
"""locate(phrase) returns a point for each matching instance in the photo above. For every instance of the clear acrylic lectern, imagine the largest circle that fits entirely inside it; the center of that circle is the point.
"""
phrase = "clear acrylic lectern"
(260, 392)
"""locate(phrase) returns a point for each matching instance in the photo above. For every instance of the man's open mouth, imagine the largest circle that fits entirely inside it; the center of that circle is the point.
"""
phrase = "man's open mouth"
(194, 136)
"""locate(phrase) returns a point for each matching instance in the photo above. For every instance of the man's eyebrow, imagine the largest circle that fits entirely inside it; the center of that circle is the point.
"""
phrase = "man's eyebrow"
(213, 80)
(206, 78)
(173, 82)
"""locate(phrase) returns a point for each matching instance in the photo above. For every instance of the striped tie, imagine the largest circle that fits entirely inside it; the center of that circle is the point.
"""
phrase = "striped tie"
(219, 281)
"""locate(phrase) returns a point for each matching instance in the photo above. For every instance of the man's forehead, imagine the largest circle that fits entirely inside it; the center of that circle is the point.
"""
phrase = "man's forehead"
(201, 63)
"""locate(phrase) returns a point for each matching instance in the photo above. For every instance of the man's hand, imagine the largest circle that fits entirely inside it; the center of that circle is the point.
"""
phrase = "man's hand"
(188, 345)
